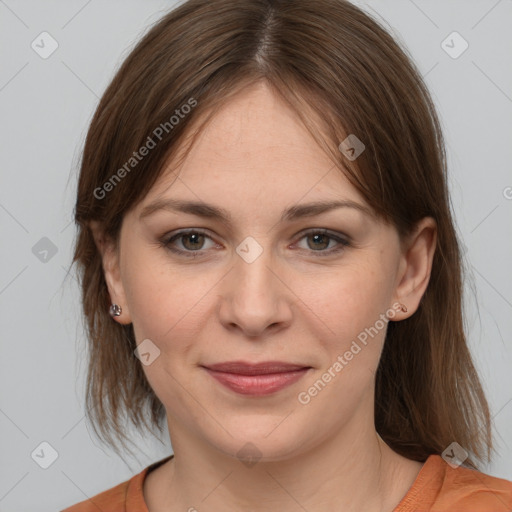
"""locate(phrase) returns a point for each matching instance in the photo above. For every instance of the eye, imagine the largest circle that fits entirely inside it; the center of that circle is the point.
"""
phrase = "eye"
(191, 241)
(319, 240)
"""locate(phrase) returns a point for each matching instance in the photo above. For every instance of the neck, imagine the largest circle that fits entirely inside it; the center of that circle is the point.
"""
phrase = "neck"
(351, 471)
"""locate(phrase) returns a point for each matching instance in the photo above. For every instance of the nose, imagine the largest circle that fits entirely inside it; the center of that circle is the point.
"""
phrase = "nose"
(255, 298)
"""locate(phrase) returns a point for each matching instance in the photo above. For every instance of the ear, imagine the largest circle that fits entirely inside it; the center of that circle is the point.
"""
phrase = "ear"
(111, 269)
(415, 266)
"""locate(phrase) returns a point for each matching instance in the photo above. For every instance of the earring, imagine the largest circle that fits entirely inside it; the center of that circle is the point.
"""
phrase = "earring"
(115, 310)
(403, 307)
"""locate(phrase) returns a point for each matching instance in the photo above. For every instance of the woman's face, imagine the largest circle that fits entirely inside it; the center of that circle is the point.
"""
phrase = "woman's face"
(263, 284)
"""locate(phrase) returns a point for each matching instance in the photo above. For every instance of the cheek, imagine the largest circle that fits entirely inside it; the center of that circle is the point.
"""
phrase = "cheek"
(156, 293)
(353, 307)
(349, 300)
(165, 307)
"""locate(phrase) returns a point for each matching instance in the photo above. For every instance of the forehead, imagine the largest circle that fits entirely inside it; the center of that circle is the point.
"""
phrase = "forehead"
(255, 152)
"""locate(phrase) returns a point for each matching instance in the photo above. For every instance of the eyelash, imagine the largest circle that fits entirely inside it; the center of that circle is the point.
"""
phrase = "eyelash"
(167, 241)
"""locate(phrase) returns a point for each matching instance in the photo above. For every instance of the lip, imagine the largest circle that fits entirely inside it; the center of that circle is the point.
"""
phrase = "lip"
(256, 379)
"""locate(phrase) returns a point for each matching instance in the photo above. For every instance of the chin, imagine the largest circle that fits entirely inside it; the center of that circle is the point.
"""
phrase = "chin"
(267, 440)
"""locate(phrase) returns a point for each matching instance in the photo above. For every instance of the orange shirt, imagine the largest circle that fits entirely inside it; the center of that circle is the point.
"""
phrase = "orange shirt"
(437, 488)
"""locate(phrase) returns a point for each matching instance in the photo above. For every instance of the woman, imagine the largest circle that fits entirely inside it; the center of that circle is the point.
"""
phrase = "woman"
(269, 265)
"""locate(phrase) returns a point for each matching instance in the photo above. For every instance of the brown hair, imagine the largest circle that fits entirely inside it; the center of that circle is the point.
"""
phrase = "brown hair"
(325, 57)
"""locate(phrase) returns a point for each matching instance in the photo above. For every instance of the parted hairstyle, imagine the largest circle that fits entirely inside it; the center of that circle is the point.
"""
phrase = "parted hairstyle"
(342, 73)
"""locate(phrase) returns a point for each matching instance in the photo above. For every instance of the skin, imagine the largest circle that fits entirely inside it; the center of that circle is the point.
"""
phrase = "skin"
(255, 159)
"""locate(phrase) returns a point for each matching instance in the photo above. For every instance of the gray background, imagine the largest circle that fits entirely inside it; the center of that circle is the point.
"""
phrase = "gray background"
(46, 105)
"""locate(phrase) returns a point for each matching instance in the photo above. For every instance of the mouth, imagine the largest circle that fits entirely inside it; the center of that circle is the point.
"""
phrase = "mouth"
(256, 379)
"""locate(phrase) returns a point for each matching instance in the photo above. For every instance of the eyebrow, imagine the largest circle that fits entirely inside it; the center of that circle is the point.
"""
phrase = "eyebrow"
(209, 211)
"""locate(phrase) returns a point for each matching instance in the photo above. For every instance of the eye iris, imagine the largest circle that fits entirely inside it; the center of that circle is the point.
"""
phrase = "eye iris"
(320, 237)
(194, 237)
